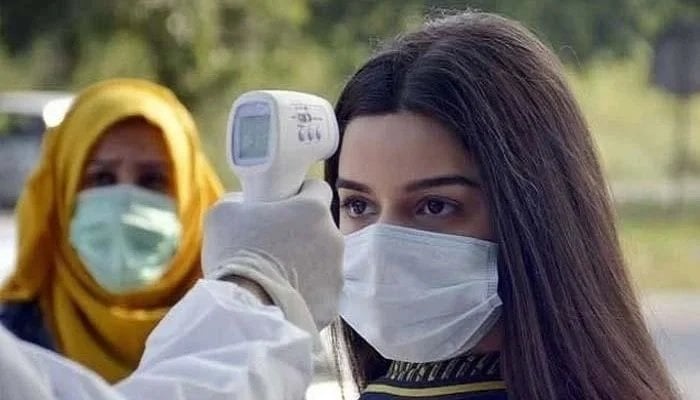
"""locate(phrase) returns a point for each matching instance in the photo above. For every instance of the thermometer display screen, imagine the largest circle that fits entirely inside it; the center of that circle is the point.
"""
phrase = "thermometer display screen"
(254, 135)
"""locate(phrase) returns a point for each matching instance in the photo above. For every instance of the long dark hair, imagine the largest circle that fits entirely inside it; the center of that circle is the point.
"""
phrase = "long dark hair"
(572, 325)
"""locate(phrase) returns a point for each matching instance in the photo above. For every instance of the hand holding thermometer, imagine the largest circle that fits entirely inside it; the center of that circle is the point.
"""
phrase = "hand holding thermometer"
(274, 137)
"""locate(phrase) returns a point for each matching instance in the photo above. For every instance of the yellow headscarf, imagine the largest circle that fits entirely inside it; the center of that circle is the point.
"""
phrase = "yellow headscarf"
(103, 331)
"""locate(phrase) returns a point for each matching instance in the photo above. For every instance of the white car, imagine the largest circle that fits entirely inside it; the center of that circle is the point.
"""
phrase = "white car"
(24, 117)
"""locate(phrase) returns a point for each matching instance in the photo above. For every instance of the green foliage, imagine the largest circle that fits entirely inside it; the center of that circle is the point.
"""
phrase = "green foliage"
(352, 29)
(209, 51)
(194, 47)
(661, 247)
(633, 122)
(207, 48)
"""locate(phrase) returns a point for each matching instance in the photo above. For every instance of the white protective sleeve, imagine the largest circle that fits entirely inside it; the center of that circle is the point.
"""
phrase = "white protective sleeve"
(218, 342)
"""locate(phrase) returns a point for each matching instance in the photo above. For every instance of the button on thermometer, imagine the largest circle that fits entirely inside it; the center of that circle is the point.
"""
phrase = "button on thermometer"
(273, 139)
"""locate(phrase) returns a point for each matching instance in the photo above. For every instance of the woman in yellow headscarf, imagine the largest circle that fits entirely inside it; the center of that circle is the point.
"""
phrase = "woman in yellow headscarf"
(110, 226)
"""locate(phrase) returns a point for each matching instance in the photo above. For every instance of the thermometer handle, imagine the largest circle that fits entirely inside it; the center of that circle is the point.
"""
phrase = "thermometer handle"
(255, 192)
(274, 186)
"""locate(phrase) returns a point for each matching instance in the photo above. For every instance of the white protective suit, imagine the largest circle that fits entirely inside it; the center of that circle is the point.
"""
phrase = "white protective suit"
(218, 342)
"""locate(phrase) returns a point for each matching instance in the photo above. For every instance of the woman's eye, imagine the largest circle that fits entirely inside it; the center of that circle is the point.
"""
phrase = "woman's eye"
(154, 181)
(436, 207)
(102, 178)
(355, 208)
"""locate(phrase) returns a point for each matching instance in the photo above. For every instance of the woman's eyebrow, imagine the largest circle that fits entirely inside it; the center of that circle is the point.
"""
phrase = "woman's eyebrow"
(448, 180)
(341, 183)
(103, 163)
(152, 163)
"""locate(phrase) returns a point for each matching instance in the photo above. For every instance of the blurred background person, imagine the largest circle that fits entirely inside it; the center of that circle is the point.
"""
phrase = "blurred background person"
(110, 226)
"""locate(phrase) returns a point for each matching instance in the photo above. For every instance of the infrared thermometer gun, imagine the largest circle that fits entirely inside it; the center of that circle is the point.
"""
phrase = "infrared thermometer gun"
(274, 137)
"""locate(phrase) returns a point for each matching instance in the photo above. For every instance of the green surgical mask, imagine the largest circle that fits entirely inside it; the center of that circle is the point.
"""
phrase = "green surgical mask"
(125, 235)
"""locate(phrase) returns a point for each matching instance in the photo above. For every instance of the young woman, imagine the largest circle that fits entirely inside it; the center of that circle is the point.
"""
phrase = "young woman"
(481, 259)
(110, 226)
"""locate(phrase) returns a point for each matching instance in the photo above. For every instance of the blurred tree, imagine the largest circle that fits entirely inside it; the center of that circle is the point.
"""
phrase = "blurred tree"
(351, 29)
(195, 47)
(208, 51)
(579, 30)
(204, 47)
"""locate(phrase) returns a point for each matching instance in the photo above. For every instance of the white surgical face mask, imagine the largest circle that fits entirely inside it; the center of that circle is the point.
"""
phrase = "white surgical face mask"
(419, 296)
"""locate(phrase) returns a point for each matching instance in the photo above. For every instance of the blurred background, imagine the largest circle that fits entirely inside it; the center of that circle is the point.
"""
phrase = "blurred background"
(634, 65)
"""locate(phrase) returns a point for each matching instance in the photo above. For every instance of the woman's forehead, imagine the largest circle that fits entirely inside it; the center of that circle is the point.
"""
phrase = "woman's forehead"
(401, 147)
(135, 138)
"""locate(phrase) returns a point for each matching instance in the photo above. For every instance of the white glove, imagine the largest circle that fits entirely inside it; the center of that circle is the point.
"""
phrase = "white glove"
(291, 248)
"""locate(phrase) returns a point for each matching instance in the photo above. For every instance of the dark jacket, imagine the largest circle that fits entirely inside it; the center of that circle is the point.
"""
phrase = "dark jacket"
(24, 319)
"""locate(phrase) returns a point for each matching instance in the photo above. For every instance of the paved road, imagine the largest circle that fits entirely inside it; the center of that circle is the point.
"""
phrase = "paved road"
(675, 324)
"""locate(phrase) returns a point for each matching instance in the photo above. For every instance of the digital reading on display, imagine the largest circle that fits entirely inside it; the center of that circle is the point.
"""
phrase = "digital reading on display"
(254, 135)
